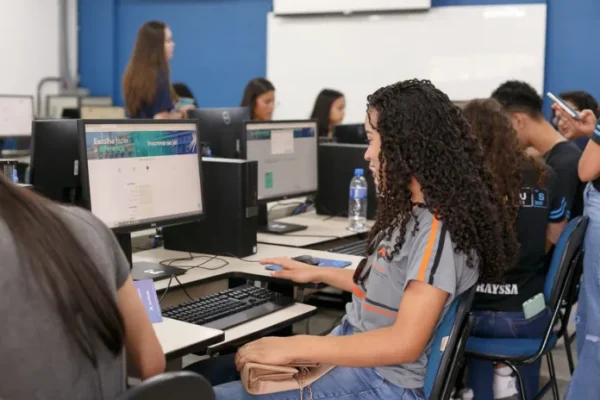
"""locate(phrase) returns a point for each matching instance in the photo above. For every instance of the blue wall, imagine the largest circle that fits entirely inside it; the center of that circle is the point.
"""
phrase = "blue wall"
(221, 44)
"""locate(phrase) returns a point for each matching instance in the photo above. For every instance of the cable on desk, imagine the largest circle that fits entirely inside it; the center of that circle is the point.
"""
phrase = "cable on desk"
(183, 288)
(169, 262)
(239, 258)
(166, 290)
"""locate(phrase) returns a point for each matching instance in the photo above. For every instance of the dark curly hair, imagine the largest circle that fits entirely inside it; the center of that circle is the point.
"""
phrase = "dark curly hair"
(504, 155)
(519, 96)
(425, 136)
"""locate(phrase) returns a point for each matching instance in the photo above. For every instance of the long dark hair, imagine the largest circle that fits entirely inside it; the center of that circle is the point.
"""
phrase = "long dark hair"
(64, 272)
(147, 61)
(255, 88)
(322, 109)
(426, 137)
(504, 155)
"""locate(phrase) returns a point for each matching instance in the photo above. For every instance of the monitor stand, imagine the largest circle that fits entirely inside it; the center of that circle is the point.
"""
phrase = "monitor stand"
(145, 270)
(275, 227)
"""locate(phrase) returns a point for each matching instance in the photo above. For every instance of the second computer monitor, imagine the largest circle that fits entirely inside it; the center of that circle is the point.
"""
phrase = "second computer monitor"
(286, 152)
(222, 129)
(139, 174)
(350, 133)
(102, 112)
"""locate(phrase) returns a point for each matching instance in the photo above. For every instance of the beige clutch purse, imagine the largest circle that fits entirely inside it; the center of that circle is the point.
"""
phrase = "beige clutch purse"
(265, 379)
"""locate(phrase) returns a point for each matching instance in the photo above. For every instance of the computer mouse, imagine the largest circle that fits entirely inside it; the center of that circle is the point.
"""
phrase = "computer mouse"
(310, 260)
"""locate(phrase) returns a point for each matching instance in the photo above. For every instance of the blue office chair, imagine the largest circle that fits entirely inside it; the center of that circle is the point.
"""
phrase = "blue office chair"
(182, 385)
(445, 358)
(561, 273)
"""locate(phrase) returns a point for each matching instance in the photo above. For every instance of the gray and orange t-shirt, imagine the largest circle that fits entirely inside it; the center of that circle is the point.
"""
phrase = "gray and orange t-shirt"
(427, 256)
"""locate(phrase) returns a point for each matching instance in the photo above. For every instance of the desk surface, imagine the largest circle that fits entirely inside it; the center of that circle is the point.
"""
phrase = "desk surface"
(180, 338)
(264, 325)
(213, 270)
(321, 228)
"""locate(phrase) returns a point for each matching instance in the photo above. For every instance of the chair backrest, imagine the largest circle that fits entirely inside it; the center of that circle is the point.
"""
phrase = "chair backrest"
(181, 385)
(448, 345)
(569, 244)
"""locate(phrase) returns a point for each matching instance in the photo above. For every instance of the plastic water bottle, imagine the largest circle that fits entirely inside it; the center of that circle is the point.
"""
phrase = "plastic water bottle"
(15, 176)
(357, 205)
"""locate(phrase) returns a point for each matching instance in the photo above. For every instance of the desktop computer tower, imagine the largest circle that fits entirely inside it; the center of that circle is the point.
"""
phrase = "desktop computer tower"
(337, 162)
(231, 219)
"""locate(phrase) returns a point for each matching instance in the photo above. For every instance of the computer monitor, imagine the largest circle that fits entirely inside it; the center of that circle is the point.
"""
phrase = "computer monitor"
(95, 101)
(350, 133)
(55, 160)
(222, 129)
(55, 104)
(140, 174)
(286, 152)
(16, 114)
(102, 112)
(337, 162)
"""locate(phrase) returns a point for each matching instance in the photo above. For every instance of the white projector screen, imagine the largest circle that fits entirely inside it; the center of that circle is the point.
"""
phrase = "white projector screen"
(290, 7)
(357, 54)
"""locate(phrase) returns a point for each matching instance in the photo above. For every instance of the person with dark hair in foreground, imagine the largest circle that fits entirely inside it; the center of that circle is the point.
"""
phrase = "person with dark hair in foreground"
(68, 304)
(585, 384)
(578, 101)
(329, 110)
(537, 210)
(524, 105)
(440, 226)
(259, 97)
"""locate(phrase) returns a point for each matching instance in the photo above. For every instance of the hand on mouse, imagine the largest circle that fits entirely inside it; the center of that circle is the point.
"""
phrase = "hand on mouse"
(293, 270)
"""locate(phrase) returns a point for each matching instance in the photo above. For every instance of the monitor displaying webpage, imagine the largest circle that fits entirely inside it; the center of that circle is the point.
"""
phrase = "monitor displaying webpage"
(16, 114)
(143, 173)
(287, 157)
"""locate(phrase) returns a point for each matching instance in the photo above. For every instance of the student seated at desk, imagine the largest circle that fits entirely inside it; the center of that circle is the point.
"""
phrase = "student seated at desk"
(438, 229)
(67, 304)
(147, 86)
(259, 97)
(537, 209)
(524, 106)
(329, 110)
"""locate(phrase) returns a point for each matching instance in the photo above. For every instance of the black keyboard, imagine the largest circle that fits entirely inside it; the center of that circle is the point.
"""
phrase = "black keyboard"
(229, 308)
(358, 248)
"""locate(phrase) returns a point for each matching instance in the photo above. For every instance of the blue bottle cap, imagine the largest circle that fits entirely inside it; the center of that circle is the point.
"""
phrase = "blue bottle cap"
(359, 172)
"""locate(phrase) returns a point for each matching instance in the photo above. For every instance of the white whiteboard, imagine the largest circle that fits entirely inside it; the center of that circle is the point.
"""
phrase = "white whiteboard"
(466, 51)
(289, 7)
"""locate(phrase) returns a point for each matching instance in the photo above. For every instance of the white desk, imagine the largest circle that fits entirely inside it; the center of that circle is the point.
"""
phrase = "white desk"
(180, 338)
(247, 267)
(264, 325)
(321, 228)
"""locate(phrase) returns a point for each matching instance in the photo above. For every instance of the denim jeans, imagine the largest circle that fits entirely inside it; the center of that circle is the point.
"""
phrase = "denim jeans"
(340, 383)
(496, 325)
(585, 383)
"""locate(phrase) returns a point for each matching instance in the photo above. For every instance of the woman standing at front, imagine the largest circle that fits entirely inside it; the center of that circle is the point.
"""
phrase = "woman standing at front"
(147, 86)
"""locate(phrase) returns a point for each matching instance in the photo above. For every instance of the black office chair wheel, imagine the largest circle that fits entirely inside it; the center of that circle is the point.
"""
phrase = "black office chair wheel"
(181, 385)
